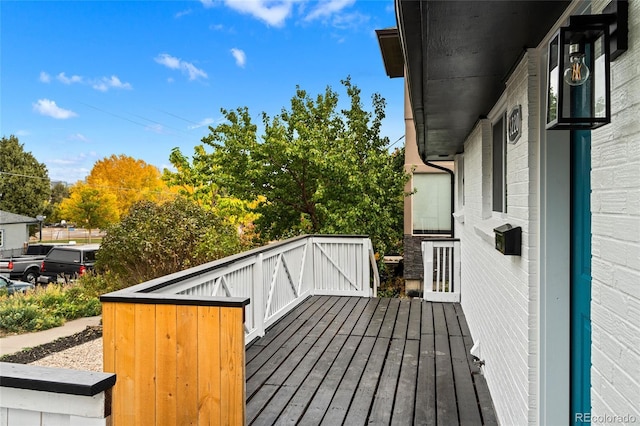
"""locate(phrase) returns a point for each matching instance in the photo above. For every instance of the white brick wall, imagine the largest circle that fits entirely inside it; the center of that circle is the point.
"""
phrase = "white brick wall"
(615, 205)
(499, 293)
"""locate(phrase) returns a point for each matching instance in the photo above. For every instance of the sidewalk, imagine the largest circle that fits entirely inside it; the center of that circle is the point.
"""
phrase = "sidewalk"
(13, 344)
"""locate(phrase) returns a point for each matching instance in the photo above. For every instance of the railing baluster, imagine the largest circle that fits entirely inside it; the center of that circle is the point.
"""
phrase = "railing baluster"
(451, 280)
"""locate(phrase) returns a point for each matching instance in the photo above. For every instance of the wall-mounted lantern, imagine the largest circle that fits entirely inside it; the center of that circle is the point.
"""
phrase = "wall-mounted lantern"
(579, 81)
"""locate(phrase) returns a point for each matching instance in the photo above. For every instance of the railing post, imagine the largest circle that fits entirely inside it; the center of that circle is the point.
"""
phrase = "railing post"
(257, 296)
(366, 268)
(427, 258)
(457, 277)
(309, 275)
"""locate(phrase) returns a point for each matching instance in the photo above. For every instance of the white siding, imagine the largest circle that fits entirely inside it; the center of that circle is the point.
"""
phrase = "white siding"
(499, 292)
(615, 205)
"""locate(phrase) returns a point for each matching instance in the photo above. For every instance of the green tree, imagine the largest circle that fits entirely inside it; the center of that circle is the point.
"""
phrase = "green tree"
(320, 169)
(154, 240)
(196, 179)
(59, 192)
(89, 207)
(24, 182)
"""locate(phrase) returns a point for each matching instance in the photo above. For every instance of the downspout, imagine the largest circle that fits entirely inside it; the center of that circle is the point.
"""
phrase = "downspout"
(451, 177)
(423, 64)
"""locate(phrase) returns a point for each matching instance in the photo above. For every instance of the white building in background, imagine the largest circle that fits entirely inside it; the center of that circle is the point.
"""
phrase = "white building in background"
(14, 233)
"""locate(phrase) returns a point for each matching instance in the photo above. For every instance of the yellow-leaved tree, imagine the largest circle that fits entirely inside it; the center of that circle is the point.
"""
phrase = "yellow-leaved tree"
(89, 207)
(129, 180)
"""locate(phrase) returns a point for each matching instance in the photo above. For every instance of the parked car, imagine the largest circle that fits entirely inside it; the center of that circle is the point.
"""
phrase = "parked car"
(13, 287)
(26, 267)
(67, 263)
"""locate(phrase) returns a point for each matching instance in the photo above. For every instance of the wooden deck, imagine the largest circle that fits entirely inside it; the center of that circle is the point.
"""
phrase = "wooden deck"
(353, 361)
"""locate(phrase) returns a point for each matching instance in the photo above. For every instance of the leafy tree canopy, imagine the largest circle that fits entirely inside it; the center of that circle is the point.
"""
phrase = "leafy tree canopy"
(196, 179)
(128, 179)
(89, 207)
(24, 182)
(320, 169)
(154, 240)
(59, 192)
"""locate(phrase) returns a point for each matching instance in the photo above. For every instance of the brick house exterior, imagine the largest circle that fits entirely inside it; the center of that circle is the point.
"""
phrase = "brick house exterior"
(519, 307)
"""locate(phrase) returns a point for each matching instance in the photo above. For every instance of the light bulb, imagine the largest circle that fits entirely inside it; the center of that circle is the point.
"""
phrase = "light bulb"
(577, 73)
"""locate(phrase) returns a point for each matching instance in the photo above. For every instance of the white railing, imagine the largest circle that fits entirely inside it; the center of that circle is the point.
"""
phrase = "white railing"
(441, 259)
(278, 277)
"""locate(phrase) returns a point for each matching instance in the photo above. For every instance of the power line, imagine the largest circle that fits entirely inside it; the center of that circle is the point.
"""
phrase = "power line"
(133, 121)
(26, 176)
(399, 139)
(177, 116)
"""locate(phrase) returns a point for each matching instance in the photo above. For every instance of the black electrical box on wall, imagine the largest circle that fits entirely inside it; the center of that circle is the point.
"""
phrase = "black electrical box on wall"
(508, 239)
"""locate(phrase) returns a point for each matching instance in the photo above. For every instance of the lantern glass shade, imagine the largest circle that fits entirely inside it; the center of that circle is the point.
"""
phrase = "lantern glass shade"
(585, 102)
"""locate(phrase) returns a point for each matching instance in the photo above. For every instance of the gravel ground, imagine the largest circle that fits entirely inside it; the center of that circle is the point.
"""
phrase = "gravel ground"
(81, 351)
(87, 356)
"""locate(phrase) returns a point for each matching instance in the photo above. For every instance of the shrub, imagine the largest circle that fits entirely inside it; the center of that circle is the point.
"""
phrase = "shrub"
(154, 240)
(46, 308)
(94, 285)
(20, 313)
(392, 287)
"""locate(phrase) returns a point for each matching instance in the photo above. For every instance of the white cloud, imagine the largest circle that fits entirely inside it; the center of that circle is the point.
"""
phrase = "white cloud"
(273, 12)
(326, 8)
(276, 12)
(23, 133)
(78, 137)
(69, 80)
(168, 61)
(183, 13)
(112, 82)
(102, 84)
(62, 161)
(204, 122)
(349, 20)
(50, 109)
(241, 57)
(193, 72)
(156, 128)
(176, 63)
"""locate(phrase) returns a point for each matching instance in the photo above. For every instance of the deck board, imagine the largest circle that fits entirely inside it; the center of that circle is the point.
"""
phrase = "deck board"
(356, 361)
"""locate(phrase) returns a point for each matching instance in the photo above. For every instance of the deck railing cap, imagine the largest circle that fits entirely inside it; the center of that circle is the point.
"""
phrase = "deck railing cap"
(57, 380)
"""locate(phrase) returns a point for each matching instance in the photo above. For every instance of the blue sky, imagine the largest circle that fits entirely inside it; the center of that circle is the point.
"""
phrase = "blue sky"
(82, 80)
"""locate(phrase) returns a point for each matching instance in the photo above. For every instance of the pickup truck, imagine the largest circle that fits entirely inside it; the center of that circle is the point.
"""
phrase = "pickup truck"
(26, 267)
(67, 263)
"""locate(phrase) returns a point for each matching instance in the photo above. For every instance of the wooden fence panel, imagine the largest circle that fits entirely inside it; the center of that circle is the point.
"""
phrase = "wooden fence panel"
(175, 364)
(144, 362)
(208, 365)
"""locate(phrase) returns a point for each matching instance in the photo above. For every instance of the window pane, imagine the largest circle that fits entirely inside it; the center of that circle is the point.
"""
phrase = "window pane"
(498, 165)
(431, 203)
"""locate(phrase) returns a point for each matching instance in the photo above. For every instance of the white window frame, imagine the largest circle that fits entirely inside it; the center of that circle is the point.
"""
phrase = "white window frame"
(499, 157)
(499, 112)
(413, 206)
